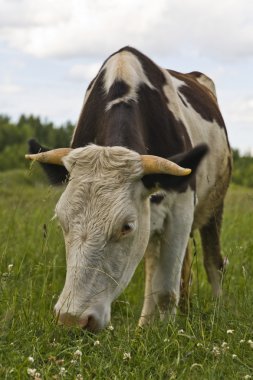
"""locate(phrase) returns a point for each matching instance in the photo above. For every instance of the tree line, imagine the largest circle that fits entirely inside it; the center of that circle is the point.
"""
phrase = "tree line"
(242, 169)
(14, 138)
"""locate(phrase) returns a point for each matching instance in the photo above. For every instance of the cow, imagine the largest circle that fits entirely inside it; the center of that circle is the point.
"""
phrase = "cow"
(149, 163)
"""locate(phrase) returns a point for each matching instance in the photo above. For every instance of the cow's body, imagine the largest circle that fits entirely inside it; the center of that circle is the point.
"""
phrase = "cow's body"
(133, 103)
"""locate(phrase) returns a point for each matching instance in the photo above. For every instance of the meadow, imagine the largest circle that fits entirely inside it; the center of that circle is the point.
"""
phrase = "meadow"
(213, 340)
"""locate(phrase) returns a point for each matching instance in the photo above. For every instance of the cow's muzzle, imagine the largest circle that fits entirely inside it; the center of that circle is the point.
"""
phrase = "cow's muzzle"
(94, 319)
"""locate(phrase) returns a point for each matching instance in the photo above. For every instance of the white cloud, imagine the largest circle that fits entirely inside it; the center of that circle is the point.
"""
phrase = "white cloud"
(84, 72)
(59, 105)
(51, 28)
(242, 111)
(7, 87)
(28, 13)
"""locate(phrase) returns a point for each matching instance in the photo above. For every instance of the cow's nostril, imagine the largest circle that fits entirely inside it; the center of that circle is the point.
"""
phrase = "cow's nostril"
(91, 324)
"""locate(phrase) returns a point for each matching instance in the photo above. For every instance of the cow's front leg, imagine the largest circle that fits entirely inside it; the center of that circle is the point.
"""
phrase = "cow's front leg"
(166, 279)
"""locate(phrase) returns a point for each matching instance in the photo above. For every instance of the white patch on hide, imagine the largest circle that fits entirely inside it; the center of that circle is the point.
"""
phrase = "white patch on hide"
(125, 66)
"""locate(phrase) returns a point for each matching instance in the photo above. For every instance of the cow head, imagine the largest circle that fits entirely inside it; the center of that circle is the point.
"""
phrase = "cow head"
(104, 215)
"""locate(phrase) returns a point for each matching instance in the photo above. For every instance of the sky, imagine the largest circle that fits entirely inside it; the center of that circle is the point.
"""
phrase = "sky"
(51, 49)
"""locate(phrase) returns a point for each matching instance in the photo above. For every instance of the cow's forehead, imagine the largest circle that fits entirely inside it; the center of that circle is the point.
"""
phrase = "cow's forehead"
(102, 201)
(97, 163)
(100, 177)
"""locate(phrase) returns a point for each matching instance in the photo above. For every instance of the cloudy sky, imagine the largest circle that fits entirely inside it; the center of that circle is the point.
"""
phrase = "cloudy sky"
(51, 49)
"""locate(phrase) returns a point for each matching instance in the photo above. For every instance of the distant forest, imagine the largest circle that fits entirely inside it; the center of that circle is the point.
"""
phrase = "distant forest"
(14, 137)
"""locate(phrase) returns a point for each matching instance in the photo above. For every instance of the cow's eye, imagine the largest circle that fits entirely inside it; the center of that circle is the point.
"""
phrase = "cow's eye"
(127, 228)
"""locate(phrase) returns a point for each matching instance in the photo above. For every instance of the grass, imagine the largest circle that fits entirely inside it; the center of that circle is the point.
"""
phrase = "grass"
(198, 345)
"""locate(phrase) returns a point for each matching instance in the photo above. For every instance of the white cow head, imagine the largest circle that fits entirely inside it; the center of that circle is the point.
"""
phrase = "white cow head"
(104, 213)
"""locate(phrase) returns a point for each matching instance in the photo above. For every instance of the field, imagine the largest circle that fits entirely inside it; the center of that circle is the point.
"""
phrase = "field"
(214, 340)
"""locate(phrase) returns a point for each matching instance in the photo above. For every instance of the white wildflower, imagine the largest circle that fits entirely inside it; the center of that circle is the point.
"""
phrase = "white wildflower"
(230, 331)
(110, 327)
(216, 351)
(194, 365)
(250, 343)
(73, 361)
(63, 371)
(96, 343)
(30, 359)
(247, 377)
(180, 331)
(10, 266)
(225, 262)
(78, 353)
(224, 346)
(199, 345)
(242, 341)
(37, 375)
(126, 356)
(234, 356)
(79, 377)
(166, 340)
(31, 371)
(54, 343)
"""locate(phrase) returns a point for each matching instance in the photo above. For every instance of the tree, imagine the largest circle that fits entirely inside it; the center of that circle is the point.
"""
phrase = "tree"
(14, 137)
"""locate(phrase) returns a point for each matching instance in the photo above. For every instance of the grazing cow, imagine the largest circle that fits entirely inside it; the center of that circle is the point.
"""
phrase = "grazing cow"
(149, 163)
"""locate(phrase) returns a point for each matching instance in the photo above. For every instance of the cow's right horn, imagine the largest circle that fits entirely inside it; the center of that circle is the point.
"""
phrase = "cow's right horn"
(50, 157)
(159, 165)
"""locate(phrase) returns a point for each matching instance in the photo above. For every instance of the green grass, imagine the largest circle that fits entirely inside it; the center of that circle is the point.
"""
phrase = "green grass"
(191, 348)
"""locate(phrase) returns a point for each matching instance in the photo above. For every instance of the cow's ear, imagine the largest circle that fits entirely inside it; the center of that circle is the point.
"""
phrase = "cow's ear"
(190, 159)
(56, 174)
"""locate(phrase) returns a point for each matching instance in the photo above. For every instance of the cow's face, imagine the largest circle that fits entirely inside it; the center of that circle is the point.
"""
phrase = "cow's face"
(104, 214)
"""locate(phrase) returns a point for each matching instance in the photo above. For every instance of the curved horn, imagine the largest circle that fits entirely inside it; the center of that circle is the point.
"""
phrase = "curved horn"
(159, 165)
(50, 157)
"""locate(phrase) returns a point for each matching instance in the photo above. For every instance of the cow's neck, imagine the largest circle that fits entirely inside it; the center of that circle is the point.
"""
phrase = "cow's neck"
(118, 126)
(133, 126)
(123, 128)
(145, 125)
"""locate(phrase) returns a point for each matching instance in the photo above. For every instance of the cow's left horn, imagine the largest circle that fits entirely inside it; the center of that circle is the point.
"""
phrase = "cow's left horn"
(50, 157)
(159, 165)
